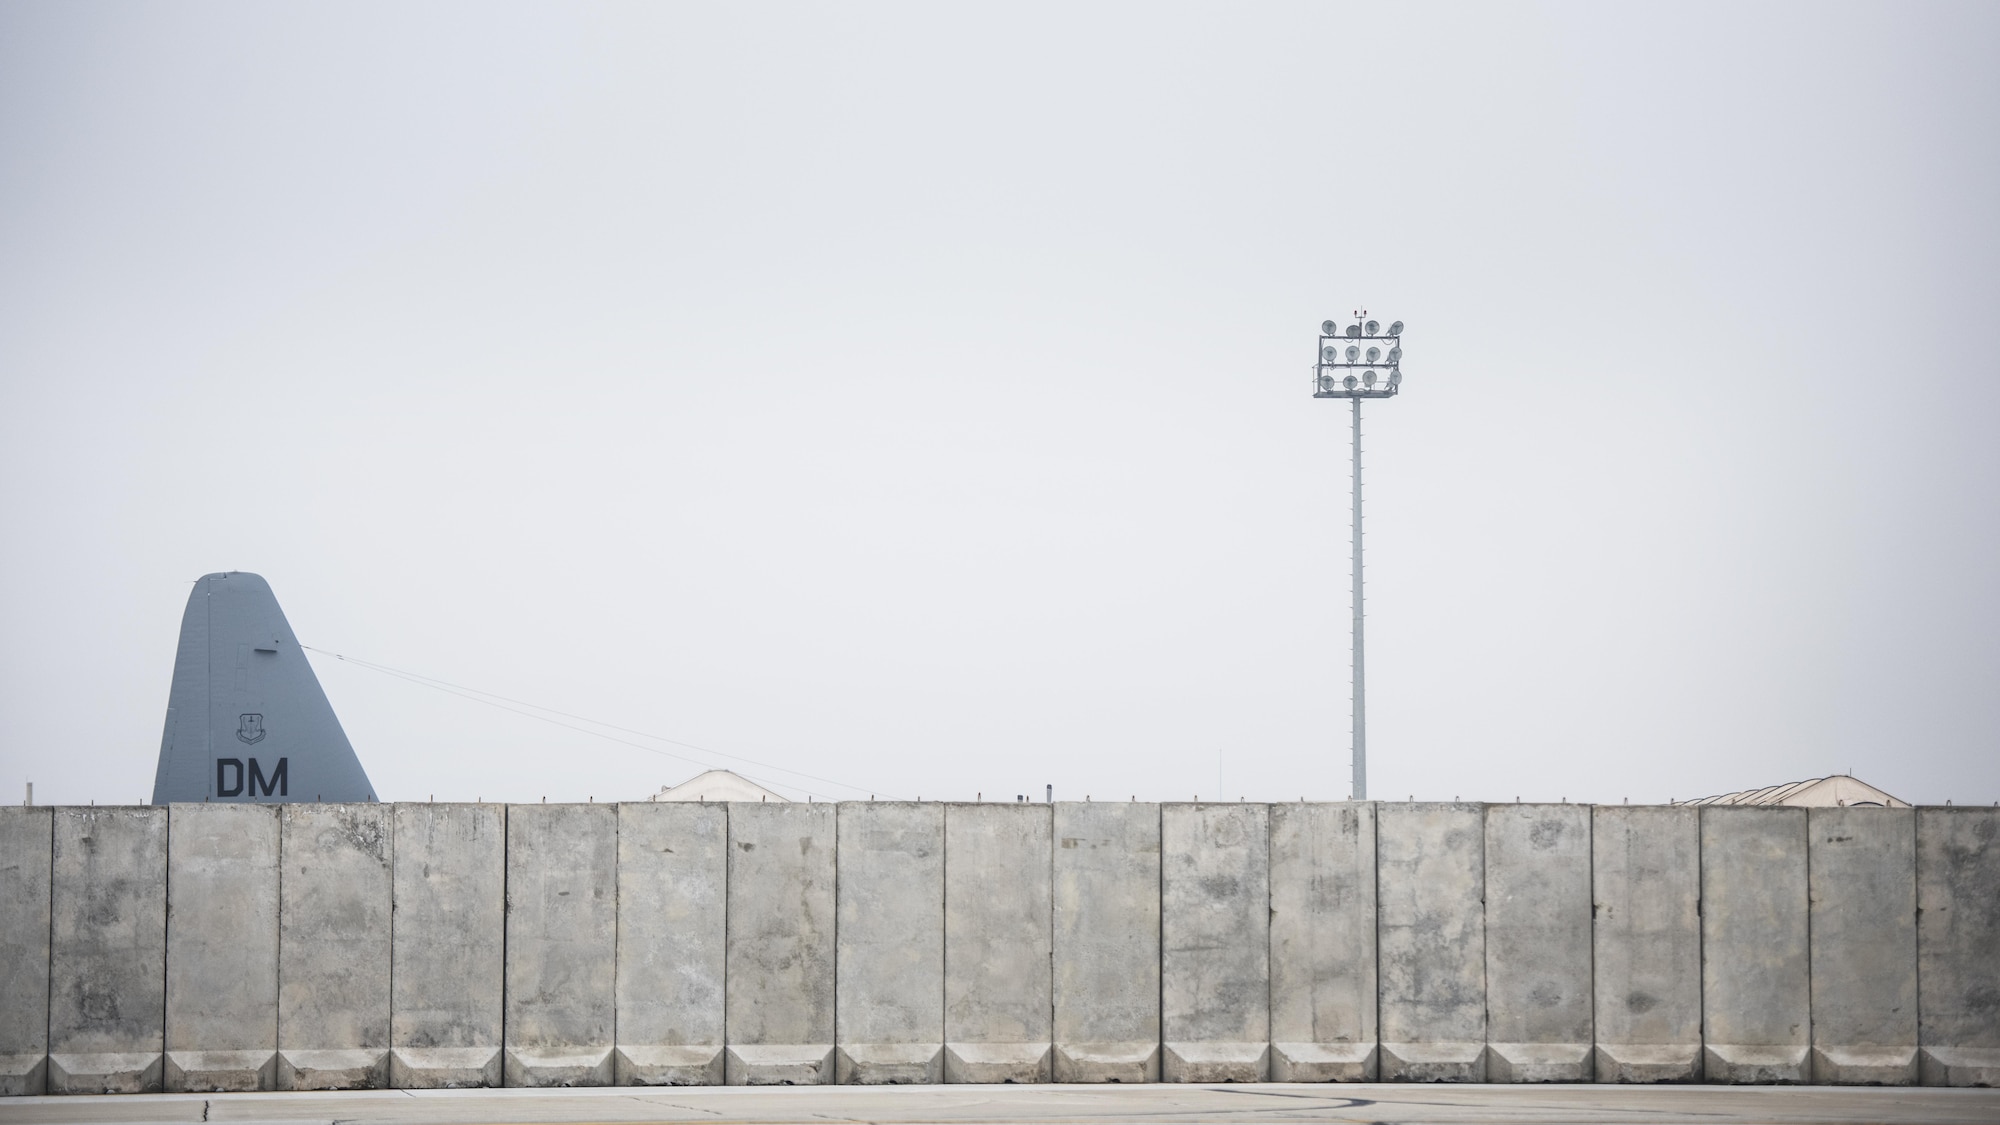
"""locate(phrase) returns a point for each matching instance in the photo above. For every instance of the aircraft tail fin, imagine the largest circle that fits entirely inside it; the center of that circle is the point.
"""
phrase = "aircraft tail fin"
(247, 719)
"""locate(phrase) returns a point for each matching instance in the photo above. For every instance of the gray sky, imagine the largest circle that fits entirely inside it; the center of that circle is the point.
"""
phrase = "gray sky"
(917, 396)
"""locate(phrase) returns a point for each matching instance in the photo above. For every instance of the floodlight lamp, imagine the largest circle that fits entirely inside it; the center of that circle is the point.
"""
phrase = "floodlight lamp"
(1348, 382)
(1353, 353)
(1396, 328)
(1374, 354)
(1396, 354)
(1372, 327)
(1329, 353)
(1354, 330)
(1368, 379)
(1326, 382)
(1328, 328)
(1395, 379)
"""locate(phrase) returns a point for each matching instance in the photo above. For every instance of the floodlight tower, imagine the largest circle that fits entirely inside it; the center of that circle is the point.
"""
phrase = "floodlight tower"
(1353, 364)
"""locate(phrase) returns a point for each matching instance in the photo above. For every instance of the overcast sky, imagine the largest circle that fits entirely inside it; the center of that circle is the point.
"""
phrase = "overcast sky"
(916, 398)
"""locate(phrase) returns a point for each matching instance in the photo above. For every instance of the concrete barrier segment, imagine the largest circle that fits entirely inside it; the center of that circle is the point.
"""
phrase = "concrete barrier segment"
(26, 856)
(222, 948)
(107, 965)
(448, 966)
(1862, 881)
(1958, 946)
(889, 1004)
(998, 914)
(336, 893)
(1431, 937)
(1106, 950)
(1755, 959)
(1323, 942)
(672, 943)
(1538, 944)
(562, 944)
(780, 980)
(1646, 943)
(1215, 911)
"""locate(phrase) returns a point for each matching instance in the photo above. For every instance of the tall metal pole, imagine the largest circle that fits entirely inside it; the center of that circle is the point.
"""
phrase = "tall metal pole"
(1360, 692)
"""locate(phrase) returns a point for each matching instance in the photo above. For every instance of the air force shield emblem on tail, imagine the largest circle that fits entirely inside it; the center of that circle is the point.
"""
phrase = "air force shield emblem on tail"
(250, 729)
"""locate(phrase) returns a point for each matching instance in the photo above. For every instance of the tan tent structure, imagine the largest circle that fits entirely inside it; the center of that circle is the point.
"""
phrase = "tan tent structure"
(718, 785)
(1840, 789)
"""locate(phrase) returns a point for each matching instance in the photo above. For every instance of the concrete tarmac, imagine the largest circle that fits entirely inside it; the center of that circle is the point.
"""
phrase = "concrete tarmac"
(907, 1105)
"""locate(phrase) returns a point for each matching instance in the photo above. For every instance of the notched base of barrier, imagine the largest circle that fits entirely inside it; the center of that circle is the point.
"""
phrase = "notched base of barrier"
(547, 1068)
(1648, 1062)
(1107, 1062)
(888, 1064)
(998, 1062)
(116, 1072)
(1434, 1062)
(1745, 1065)
(221, 1072)
(1215, 1062)
(778, 1064)
(333, 1069)
(1323, 1062)
(1538, 1062)
(1939, 1066)
(23, 1075)
(667, 1066)
(443, 1068)
(1864, 1066)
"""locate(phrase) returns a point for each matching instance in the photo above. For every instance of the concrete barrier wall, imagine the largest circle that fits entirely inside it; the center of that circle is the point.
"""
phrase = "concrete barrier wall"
(222, 947)
(1862, 865)
(889, 964)
(1430, 877)
(1646, 943)
(1107, 942)
(1755, 965)
(1215, 943)
(998, 983)
(562, 944)
(1538, 982)
(216, 947)
(108, 951)
(1323, 942)
(26, 843)
(446, 962)
(780, 984)
(1958, 946)
(336, 894)
(672, 940)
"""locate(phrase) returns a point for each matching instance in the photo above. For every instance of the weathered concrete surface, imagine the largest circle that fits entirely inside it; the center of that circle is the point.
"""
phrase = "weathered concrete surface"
(562, 944)
(1646, 881)
(1323, 942)
(1755, 962)
(336, 893)
(447, 958)
(673, 866)
(1862, 873)
(1538, 983)
(780, 987)
(26, 840)
(1107, 942)
(889, 988)
(222, 947)
(998, 987)
(1044, 1105)
(1432, 941)
(108, 951)
(1958, 945)
(1215, 915)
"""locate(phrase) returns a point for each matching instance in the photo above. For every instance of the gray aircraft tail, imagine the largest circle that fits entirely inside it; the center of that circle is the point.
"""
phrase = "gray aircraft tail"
(247, 720)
